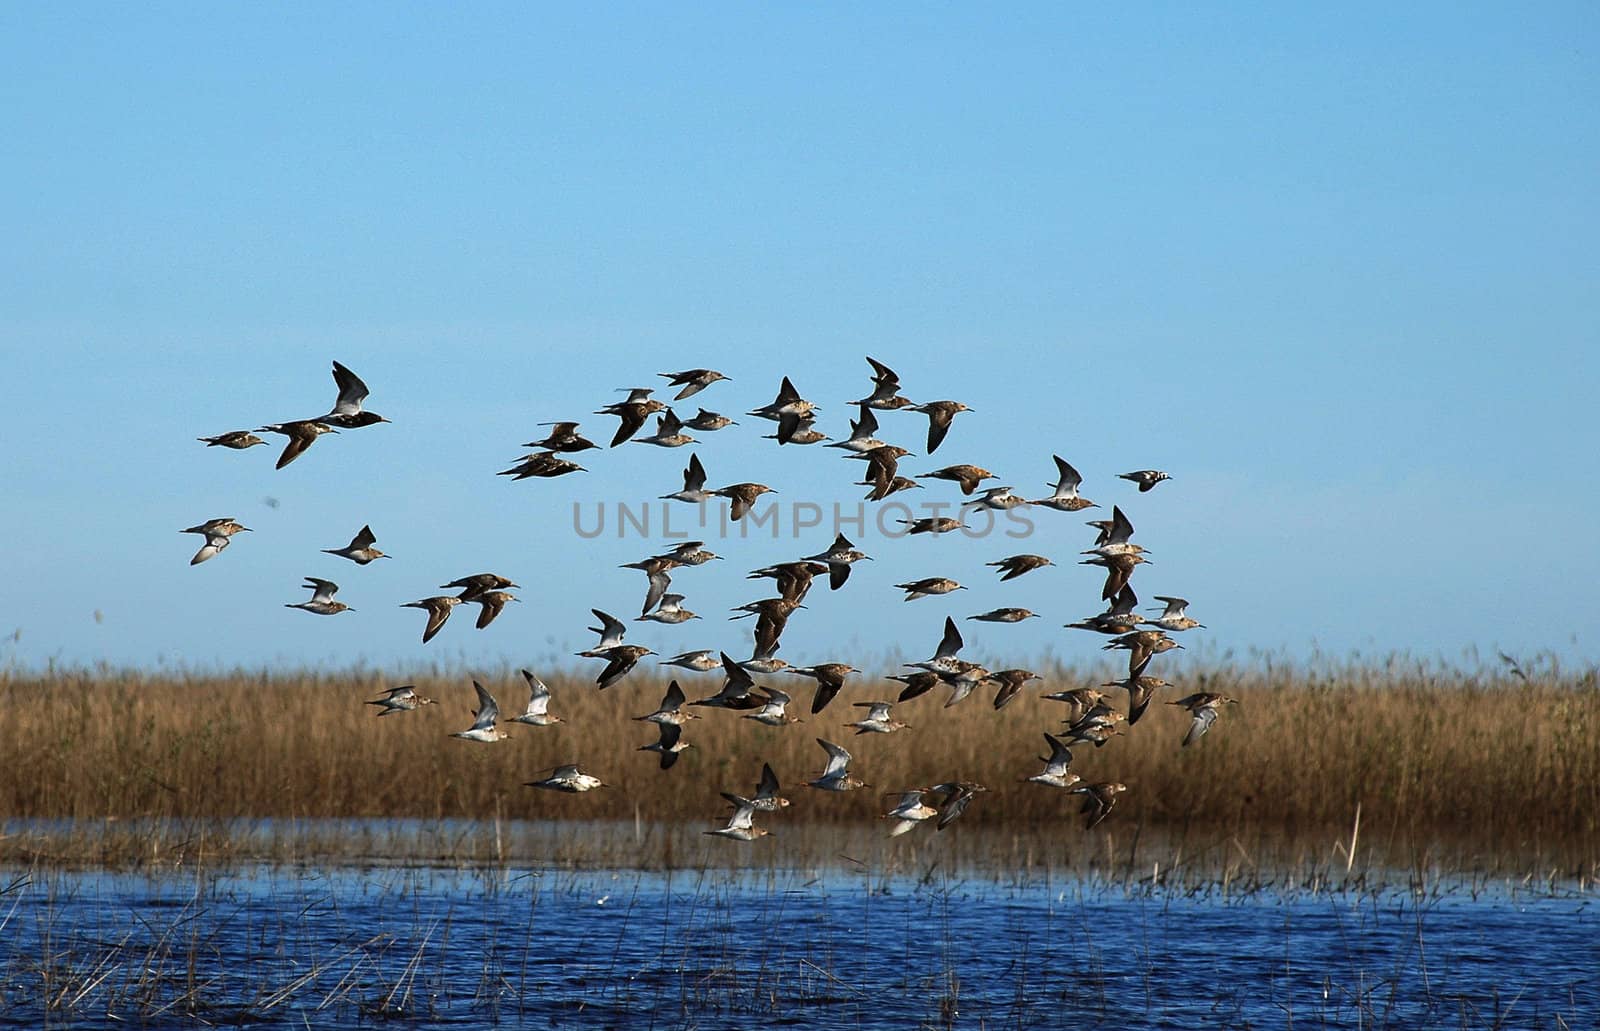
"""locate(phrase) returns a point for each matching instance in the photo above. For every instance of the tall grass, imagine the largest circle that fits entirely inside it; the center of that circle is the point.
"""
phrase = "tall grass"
(1476, 766)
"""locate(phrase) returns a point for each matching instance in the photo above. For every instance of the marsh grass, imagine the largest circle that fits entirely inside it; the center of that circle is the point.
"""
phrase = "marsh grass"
(1449, 770)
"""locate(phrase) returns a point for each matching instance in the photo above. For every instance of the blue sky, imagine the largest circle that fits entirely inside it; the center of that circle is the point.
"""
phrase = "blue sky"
(1335, 270)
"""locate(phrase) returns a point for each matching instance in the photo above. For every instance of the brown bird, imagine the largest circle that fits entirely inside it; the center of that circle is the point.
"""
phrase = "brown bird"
(885, 394)
(1010, 682)
(238, 440)
(1204, 707)
(563, 437)
(546, 465)
(633, 412)
(772, 615)
(1017, 565)
(476, 584)
(1140, 691)
(302, 434)
(939, 414)
(438, 610)
(1142, 646)
(1098, 801)
(794, 578)
(1065, 498)
(493, 602)
(360, 550)
(619, 660)
(830, 679)
(882, 465)
(691, 380)
(742, 495)
(968, 476)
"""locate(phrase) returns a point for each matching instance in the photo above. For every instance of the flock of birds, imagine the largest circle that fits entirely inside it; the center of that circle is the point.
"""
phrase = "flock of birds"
(1091, 718)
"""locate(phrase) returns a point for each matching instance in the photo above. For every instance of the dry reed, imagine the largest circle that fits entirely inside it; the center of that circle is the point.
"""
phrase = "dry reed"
(1479, 766)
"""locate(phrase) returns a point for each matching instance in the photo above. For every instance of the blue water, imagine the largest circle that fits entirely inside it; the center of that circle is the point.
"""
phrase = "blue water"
(445, 949)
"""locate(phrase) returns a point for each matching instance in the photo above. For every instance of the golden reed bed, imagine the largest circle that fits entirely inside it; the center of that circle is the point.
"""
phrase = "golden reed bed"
(1488, 768)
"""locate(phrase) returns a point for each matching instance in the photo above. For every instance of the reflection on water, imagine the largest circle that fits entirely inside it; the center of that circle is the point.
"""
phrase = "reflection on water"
(282, 947)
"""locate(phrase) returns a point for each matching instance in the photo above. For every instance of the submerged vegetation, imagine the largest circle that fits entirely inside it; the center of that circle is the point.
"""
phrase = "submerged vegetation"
(1404, 764)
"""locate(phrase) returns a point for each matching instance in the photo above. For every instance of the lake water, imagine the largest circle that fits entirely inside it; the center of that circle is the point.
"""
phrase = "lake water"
(447, 949)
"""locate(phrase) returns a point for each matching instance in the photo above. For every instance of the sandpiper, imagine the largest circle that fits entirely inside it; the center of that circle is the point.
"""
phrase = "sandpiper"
(216, 532)
(702, 661)
(692, 553)
(657, 570)
(963, 680)
(1140, 691)
(954, 798)
(691, 380)
(919, 683)
(346, 412)
(1065, 498)
(1017, 565)
(885, 394)
(893, 486)
(929, 586)
(633, 412)
(766, 799)
(1055, 773)
(671, 708)
(794, 578)
(788, 402)
(908, 811)
(836, 775)
(772, 615)
(483, 727)
(735, 693)
(669, 745)
(563, 437)
(567, 778)
(694, 484)
(1079, 701)
(360, 550)
(944, 659)
(1174, 618)
(861, 433)
(1118, 618)
(670, 611)
(839, 558)
(939, 414)
(1009, 682)
(877, 720)
(1006, 615)
(882, 464)
(830, 679)
(476, 584)
(968, 476)
(538, 712)
(709, 422)
(796, 429)
(1145, 478)
(492, 604)
(400, 699)
(742, 495)
(1000, 499)
(302, 434)
(931, 524)
(619, 660)
(438, 609)
(741, 825)
(322, 603)
(774, 711)
(1098, 800)
(1113, 539)
(1204, 707)
(764, 660)
(545, 465)
(238, 440)
(669, 432)
(1142, 646)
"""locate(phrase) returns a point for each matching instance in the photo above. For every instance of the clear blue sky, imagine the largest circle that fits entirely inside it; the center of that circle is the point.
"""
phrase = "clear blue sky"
(1334, 269)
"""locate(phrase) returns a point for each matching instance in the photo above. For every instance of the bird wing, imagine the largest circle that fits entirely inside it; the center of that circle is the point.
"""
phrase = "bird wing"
(838, 759)
(488, 709)
(363, 540)
(951, 643)
(694, 477)
(351, 391)
(611, 630)
(493, 603)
